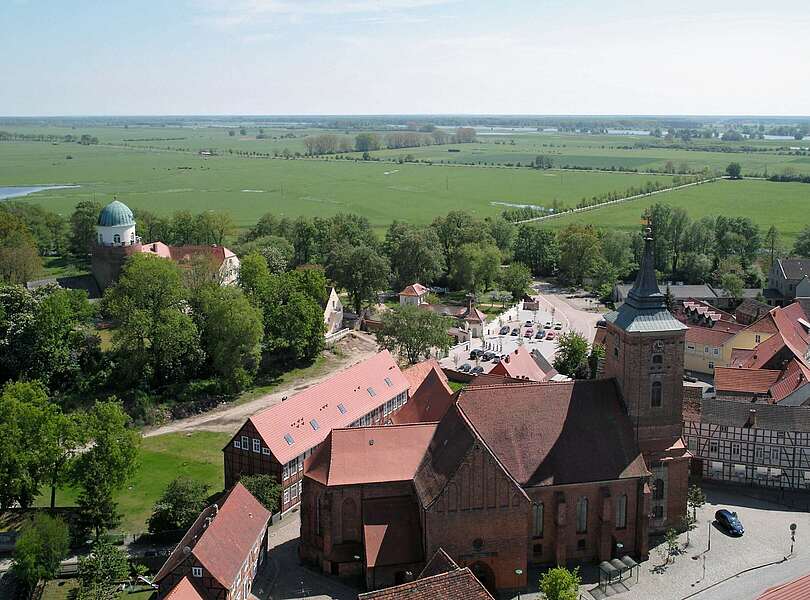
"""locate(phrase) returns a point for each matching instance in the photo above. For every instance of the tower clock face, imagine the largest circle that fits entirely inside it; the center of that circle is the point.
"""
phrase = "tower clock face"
(658, 345)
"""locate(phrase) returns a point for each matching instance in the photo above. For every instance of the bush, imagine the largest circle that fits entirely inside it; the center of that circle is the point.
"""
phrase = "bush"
(181, 502)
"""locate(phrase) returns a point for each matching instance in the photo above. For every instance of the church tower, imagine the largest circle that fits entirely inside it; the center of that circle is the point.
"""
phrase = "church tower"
(115, 242)
(644, 353)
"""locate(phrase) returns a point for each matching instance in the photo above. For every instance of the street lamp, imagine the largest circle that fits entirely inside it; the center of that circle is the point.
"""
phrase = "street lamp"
(518, 573)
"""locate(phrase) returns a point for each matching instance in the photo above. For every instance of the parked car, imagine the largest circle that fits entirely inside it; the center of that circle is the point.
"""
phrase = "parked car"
(528, 324)
(601, 323)
(477, 370)
(465, 368)
(548, 325)
(528, 333)
(504, 329)
(709, 393)
(729, 521)
(487, 355)
(550, 335)
(514, 332)
(557, 325)
(475, 354)
(496, 359)
(541, 333)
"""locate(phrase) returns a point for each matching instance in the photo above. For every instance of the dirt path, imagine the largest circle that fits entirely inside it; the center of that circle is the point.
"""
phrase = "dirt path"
(228, 419)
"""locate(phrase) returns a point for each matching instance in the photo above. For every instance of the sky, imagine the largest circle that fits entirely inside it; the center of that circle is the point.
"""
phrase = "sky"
(278, 57)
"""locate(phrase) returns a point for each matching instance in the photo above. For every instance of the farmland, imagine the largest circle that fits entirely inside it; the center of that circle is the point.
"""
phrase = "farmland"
(167, 181)
(786, 205)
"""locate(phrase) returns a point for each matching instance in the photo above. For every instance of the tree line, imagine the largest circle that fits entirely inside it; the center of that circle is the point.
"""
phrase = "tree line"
(329, 143)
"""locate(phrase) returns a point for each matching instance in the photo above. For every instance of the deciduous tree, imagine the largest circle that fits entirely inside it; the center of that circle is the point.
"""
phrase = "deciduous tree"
(265, 489)
(83, 227)
(560, 584)
(517, 279)
(182, 500)
(40, 548)
(572, 355)
(412, 332)
(362, 272)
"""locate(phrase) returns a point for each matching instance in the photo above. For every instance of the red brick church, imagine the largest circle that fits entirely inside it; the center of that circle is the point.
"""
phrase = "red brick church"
(514, 473)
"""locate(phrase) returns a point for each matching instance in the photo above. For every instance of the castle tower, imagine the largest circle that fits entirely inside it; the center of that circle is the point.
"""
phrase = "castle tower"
(115, 242)
(644, 353)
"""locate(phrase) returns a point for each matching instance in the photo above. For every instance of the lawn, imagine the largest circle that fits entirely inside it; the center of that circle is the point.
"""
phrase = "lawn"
(785, 205)
(60, 589)
(165, 182)
(162, 458)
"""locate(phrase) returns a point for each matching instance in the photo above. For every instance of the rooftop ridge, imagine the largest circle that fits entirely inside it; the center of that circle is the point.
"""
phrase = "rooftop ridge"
(386, 427)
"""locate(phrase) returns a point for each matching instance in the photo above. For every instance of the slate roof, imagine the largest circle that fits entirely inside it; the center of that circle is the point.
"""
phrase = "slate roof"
(645, 308)
(392, 533)
(348, 388)
(370, 454)
(794, 268)
(679, 292)
(460, 584)
(555, 433)
(222, 544)
(777, 417)
(752, 309)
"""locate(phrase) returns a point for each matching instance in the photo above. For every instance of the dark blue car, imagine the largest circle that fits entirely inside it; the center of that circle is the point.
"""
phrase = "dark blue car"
(729, 521)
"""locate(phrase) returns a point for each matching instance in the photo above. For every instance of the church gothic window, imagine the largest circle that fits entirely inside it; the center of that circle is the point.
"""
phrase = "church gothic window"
(537, 526)
(621, 511)
(658, 489)
(655, 394)
(582, 515)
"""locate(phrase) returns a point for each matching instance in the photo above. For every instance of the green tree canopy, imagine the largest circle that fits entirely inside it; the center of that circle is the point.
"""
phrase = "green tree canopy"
(40, 548)
(362, 272)
(19, 257)
(734, 170)
(265, 489)
(412, 332)
(580, 248)
(474, 267)
(101, 571)
(802, 245)
(516, 279)
(83, 227)
(537, 248)
(414, 254)
(560, 584)
(572, 355)
(179, 505)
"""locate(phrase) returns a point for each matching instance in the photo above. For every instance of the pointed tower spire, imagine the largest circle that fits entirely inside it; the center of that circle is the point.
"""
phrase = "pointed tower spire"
(645, 292)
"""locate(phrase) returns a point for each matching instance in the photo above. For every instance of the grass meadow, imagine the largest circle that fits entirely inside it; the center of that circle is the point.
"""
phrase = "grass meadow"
(167, 181)
(786, 205)
(197, 455)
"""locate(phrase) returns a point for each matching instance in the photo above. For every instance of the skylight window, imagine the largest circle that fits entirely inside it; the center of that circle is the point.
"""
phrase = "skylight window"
(388, 382)
(371, 392)
(288, 438)
(314, 423)
(342, 408)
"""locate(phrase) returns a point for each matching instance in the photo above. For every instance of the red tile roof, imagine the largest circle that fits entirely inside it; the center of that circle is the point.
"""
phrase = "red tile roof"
(429, 398)
(222, 536)
(520, 365)
(227, 541)
(392, 534)
(440, 562)
(555, 433)
(415, 289)
(748, 381)
(370, 454)
(708, 336)
(184, 590)
(460, 584)
(798, 589)
(349, 388)
(185, 253)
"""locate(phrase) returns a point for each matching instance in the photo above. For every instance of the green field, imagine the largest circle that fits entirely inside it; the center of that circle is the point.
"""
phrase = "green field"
(162, 458)
(166, 181)
(786, 205)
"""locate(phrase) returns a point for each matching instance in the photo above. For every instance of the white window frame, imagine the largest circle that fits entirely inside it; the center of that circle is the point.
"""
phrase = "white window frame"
(287, 496)
(266, 451)
(196, 571)
(245, 443)
(257, 445)
(237, 445)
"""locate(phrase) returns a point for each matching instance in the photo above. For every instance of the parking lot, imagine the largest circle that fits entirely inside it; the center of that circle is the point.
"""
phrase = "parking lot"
(505, 334)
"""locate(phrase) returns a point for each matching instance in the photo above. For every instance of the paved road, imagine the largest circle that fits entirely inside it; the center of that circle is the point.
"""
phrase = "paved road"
(356, 347)
(573, 318)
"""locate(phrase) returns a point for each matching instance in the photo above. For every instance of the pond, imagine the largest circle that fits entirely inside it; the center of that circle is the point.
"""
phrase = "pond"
(17, 191)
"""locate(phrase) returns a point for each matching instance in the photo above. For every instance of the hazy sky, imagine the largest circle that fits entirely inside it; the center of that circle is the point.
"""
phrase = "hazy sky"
(151, 57)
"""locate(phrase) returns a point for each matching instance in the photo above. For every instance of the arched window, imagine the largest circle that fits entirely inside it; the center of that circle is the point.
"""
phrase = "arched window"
(621, 511)
(116, 239)
(655, 394)
(100, 238)
(658, 489)
(657, 359)
(537, 522)
(132, 237)
(348, 521)
(582, 515)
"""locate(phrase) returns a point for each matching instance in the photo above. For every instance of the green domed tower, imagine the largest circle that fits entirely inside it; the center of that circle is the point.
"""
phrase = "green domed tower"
(116, 240)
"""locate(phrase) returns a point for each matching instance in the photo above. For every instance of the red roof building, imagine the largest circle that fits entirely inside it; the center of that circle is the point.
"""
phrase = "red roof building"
(519, 365)
(798, 589)
(430, 394)
(278, 439)
(220, 554)
(504, 479)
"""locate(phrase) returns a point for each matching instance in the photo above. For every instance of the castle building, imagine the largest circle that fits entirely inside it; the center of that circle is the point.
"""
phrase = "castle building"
(116, 240)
